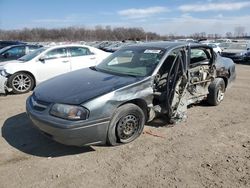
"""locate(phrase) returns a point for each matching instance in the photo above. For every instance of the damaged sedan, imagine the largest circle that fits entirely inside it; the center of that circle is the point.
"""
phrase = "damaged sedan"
(110, 103)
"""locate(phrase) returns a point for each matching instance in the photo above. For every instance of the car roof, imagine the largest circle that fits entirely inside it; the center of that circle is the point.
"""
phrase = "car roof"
(16, 45)
(165, 45)
(67, 45)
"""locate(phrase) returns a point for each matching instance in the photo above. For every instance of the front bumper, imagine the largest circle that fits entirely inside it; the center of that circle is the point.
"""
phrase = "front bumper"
(3, 82)
(68, 132)
(235, 57)
(3, 85)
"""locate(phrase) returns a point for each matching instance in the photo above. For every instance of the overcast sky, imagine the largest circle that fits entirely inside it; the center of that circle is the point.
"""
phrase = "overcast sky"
(161, 16)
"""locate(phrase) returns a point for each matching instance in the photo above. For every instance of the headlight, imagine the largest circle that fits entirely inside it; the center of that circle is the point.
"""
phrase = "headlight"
(70, 112)
(3, 72)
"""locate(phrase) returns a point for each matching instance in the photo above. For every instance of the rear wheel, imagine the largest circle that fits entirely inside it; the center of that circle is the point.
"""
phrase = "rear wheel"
(216, 92)
(21, 82)
(126, 124)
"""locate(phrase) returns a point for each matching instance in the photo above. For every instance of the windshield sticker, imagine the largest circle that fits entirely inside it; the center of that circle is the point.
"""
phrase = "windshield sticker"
(152, 51)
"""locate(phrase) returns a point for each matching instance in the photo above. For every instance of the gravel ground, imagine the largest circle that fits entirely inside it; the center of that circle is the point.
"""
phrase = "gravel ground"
(210, 149)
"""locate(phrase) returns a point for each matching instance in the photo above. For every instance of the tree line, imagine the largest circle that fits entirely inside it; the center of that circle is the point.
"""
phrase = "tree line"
(100, 33)
(78, 34)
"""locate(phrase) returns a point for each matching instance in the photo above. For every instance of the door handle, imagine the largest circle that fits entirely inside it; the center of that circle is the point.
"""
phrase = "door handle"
(66, 61)
(93, 58)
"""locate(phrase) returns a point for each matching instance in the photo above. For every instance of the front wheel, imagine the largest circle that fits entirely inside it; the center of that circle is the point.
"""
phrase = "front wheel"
(126, 124)
(216, 92)
(21, 82)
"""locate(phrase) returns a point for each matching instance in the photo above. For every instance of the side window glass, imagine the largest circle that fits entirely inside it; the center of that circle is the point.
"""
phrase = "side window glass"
(198, 55)
(16, 51)
(33, 48)
(79, 51)
(56, 53)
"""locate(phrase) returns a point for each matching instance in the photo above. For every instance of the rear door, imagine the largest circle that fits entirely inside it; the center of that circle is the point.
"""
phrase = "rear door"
(201, 71)
(53, 63)
(81, 57)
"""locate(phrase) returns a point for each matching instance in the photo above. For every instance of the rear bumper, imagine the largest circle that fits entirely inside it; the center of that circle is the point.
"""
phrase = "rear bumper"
(88, 133)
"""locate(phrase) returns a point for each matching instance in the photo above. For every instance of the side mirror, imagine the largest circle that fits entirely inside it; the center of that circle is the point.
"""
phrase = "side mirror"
(42, 59)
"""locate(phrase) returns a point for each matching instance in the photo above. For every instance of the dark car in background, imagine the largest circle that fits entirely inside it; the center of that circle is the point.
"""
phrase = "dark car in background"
(14, 52)
(9, 43)
(111, 102)
(238, 52)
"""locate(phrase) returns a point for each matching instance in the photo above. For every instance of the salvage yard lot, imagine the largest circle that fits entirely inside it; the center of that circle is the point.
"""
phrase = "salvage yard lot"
(210, 149)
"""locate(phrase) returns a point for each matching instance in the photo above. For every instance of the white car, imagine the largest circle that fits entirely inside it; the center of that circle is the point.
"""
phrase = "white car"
(22, 75)
(215, 47)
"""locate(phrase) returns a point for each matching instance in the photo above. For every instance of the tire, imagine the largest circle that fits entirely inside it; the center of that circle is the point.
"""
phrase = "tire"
(216, 92)
(126, 124)
(21, 82)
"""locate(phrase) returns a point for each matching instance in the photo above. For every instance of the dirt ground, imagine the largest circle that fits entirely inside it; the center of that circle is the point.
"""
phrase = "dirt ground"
(210, 149)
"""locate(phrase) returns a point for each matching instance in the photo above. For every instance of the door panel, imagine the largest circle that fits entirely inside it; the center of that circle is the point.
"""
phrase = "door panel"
(53, 63)
(81, 57)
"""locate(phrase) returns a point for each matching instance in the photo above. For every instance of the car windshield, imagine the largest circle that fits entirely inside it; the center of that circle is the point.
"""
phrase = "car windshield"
(224, 44)
(238, 46)
(132, 62)
(33, 54)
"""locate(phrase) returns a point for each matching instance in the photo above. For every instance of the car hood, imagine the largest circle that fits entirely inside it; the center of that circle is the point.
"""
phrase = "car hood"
(233, 51)
(80, 86)
(7, 62)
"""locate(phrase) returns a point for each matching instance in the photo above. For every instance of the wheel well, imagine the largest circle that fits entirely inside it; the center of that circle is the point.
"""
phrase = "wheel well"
(141, 103)
(29, 73)
(225, 81)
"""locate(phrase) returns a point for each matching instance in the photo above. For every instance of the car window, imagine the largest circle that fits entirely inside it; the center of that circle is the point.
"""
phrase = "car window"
(79, 51)
(16, 51)
(56, 53)
(33, 48)
(212, 45)
(198, 55)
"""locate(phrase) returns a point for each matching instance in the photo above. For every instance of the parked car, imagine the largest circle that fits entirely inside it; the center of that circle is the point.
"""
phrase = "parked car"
(111, 102)
(238, 52)
(224, 45)
(9, 43)
(215, 47)
(14, 52)
(223, 41)
(24, 74)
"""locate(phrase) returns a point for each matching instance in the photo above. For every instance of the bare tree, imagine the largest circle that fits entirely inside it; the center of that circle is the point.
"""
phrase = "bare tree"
(239, 31)
(229, 35)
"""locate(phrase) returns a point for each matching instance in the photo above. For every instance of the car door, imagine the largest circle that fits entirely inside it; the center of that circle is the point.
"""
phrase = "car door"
(201, 71)
(54, 62)
(177, 82)
(190, 72)
(81, 57)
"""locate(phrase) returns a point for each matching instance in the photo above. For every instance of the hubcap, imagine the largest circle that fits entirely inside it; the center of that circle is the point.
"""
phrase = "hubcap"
(127, 127)
(220, 94)
(21, 82)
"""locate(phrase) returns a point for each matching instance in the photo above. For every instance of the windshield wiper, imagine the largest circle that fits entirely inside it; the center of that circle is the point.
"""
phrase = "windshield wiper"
(129, 74)
(20, 59)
